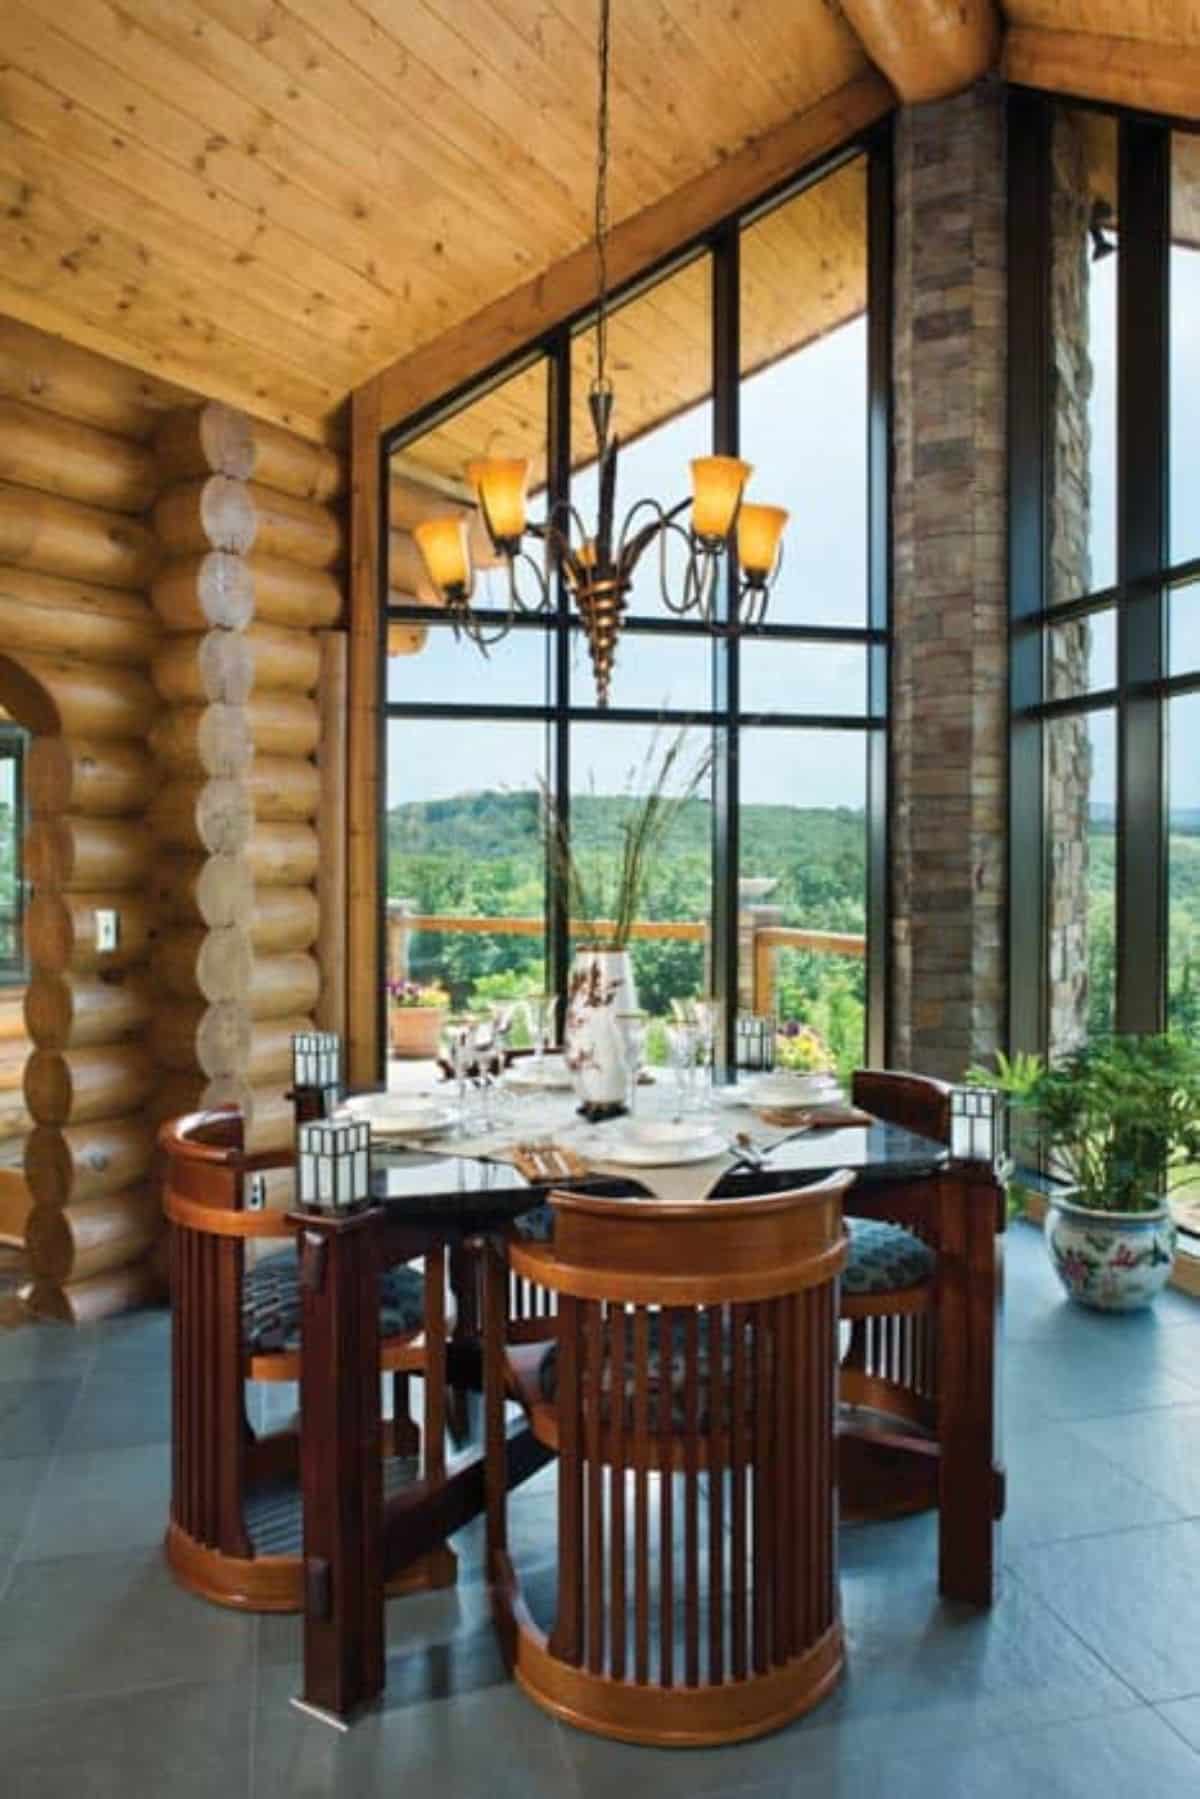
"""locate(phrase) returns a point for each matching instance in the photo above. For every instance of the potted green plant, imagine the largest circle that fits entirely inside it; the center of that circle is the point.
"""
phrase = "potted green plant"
(1118, 1119)
(416, 1015)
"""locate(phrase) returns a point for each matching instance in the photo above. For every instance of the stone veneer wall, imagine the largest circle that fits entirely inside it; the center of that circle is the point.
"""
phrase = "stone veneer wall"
(1067, 748)
(949, 679)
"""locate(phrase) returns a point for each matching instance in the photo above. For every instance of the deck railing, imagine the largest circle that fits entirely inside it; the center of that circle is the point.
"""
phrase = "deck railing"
(762, 939)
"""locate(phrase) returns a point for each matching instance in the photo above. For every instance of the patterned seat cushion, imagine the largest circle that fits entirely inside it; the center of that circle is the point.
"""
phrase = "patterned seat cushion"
(271, 1304)
(673, 1376)
(536, 1226)
(884, 1258)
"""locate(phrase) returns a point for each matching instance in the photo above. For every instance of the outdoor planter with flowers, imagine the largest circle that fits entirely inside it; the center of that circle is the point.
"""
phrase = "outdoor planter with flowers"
(1119, 1121)
(416, 1015)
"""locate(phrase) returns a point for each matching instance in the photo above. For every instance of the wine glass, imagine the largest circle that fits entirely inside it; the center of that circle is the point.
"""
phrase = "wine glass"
(457, 1033)
(681, 1045)
(541, 1011)
(485, 1054)
(632, 1026)
(706, 1015)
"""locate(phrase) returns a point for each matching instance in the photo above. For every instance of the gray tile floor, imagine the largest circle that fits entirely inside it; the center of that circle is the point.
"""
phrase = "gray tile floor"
(1084, 1680)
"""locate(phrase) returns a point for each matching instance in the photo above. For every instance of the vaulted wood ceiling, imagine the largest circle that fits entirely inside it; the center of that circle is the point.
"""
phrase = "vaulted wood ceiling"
(270, 200)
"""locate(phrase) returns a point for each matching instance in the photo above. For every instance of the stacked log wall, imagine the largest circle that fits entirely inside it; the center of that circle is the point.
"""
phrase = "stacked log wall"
(77, 636)
(252, 531)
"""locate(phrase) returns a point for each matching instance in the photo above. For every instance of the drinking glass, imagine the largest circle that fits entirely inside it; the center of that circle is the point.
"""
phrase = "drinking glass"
(632, 1026)
(457, 1035)
(541, 1011)
(681, 1043)
(706, 1015)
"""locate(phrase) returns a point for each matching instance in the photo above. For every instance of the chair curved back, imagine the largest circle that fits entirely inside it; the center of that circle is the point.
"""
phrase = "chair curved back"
(691, 1340)
(918, 1102)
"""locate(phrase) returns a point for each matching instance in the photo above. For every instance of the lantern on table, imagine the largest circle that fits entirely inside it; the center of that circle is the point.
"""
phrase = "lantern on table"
(316, 1074)
(754, 1044)
(334, 1156)
(977, 1125)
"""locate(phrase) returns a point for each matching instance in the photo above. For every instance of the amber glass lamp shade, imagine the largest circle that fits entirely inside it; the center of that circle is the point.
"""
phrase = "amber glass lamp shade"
(445, 553)
(717, 483)
(499, 483)
(759, 531)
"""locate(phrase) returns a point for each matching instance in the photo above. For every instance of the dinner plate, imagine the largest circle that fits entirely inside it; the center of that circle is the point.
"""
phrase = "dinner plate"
(793, 1090)
(389, 1116)
(524, 1074)
(629, 1152)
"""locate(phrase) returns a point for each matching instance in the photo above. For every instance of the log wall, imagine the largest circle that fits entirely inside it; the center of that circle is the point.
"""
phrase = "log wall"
(169, 580)
(252, 539)
(78, 476)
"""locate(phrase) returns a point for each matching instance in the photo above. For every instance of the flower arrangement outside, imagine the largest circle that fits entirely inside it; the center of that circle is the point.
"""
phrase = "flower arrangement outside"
(412, 993)
(799, 1047)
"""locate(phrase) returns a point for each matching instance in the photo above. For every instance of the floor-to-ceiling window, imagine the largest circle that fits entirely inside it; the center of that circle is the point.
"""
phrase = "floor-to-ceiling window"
(1105, 566)
(765, 341)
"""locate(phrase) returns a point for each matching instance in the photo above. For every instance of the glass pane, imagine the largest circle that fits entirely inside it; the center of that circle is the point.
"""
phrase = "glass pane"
(610, 765)
(660, 364)
(464, 847)
(428, 480)
(828, 678)
(1185, 347)
(1183, 903)
(1183, 625)
(11, 946)
(652, 671)
(803, 889)
(804, 392)
(428, 665)
(1082, 656)
(1083, 522)
(1081, 815)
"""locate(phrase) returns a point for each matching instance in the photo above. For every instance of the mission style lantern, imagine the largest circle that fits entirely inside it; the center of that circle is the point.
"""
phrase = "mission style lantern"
(334, 1156)
(316, 1074)
(977, 1120)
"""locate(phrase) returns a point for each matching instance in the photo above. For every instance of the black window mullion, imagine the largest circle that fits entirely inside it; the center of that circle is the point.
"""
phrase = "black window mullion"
(558, 465)
(1142, 337)
(726, 342)
(879, 582)
(1030, 124)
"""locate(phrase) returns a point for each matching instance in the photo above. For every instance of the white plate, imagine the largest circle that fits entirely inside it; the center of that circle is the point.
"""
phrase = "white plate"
(555, 1074)
(661, 1133)
(794, 1090)
(629, 1153)
(389, 1116)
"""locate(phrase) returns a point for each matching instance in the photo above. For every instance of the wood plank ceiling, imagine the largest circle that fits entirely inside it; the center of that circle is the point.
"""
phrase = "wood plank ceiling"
(270, 200)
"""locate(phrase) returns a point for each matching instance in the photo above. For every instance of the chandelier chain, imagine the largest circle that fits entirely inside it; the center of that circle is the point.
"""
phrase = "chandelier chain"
(602, 220)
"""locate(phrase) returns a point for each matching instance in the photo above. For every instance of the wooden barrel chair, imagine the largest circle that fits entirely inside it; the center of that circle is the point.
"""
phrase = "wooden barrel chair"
(902, 1277)
(236, 1319)
(689, 1395)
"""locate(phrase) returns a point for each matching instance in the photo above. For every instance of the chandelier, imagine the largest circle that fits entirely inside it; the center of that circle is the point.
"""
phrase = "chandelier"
(598, 567)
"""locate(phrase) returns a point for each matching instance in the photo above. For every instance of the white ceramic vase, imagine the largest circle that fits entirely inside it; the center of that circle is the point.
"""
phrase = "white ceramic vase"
(602, 987)
(1112, 1261)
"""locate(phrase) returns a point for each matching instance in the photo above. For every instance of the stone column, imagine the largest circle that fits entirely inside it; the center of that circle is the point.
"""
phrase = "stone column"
(949, 682)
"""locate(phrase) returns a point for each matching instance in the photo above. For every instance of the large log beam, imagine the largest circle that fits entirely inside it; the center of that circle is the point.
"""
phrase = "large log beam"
(69, 1087)
(104, 780)
(60, 931)
(219, 514)
(77, 1242)
(61, 456)
(217, 891)
(73, 1012)
(83, 543)
(87, 854)
(219, 587)
(51, 616)
(1163, 78)
(928, 49)
(215, 439)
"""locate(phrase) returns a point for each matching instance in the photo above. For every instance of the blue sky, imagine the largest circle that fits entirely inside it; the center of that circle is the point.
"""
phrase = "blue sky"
(803, 428)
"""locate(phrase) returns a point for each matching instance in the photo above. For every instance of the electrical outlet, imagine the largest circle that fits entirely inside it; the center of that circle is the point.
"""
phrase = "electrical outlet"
(107, 930)
(256, 1199)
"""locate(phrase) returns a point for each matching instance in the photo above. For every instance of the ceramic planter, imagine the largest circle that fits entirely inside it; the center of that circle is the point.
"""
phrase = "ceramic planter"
(1111, 1261)
(415, 1031)
(602, 986)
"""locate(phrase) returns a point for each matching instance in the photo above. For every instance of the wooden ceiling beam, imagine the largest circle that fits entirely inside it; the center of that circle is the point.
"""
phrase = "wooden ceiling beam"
(468, 349)
(927, 48)
(1125, 71)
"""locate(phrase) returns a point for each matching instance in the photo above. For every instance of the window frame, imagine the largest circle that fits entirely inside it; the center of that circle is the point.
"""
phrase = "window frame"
(724, 716)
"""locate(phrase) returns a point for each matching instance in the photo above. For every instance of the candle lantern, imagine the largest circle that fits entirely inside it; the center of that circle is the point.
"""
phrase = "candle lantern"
(316, 1074)
(754, 1042)
(977, 1122)
(335, 1164)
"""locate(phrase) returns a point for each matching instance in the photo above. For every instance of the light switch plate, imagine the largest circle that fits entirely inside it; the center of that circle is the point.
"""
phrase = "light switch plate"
(107, 929)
